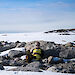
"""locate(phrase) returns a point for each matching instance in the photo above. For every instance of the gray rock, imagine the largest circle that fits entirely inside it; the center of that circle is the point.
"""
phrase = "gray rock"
(1, 67)
(67, 53)
(1, 58)
(45, 60)
(15, 53)
(17, 62)
(22, 44)
(66, 67)
(34, 67)
(5, 62)
(7, 47)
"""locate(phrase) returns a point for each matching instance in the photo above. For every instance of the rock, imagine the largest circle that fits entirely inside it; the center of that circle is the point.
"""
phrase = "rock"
(34, 67)
(35, 64)
(45, 60)
(22, 44)
(64, 71)
(1, 67)
(17, 62)
(52, 52)
(66, 67)
(1, 58)
(69, 44)
(7, 47)
(17, 42)
(53, 69)
(50, 59)
(5, 62)
(13, 62)
(1, 45)
(15, 53)
(67, 53)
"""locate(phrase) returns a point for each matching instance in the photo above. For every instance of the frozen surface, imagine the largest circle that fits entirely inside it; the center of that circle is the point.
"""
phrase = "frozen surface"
(27, 37)
(31, 73)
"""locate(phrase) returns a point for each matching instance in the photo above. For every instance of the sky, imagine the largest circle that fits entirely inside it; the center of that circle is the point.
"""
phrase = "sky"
(36, 15)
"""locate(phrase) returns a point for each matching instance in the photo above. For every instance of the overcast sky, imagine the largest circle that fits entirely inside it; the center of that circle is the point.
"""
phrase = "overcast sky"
(36, 15)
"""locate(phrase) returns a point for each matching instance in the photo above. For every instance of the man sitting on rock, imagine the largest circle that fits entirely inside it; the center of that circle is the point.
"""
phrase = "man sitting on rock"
(37, 52)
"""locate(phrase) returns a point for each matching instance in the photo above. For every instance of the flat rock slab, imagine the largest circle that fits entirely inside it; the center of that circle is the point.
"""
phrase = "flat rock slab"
(34, 67)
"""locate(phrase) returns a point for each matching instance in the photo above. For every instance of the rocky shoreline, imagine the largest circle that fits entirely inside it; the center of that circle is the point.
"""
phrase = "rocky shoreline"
(56, 58)
(61, 31)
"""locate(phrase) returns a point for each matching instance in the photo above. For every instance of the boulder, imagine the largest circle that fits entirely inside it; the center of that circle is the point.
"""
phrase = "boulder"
(22, 44)
(1, 67)
(66, 67)
(5, 62)
(17, 62)
(34, 67)
(15, 53)
(53, 69)
(69, 44)
(1, 59)
(67, 53)
(7, 47)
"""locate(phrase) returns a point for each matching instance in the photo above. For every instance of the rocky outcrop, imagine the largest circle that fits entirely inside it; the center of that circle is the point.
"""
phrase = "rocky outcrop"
(15, 53)
(60, 31)
(53, 58)
(52, 49)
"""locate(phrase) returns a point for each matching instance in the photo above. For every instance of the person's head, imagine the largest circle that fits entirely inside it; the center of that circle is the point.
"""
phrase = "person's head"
(37, 44)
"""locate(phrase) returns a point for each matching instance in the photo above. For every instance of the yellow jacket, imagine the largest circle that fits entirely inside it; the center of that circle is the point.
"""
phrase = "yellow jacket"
(37, 53)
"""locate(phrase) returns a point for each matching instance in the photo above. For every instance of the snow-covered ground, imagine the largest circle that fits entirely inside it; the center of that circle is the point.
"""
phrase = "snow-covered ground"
(27, 37)
(31, 73)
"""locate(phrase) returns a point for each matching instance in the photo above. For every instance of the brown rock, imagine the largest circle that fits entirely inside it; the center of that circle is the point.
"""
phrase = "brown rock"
(50, 59)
